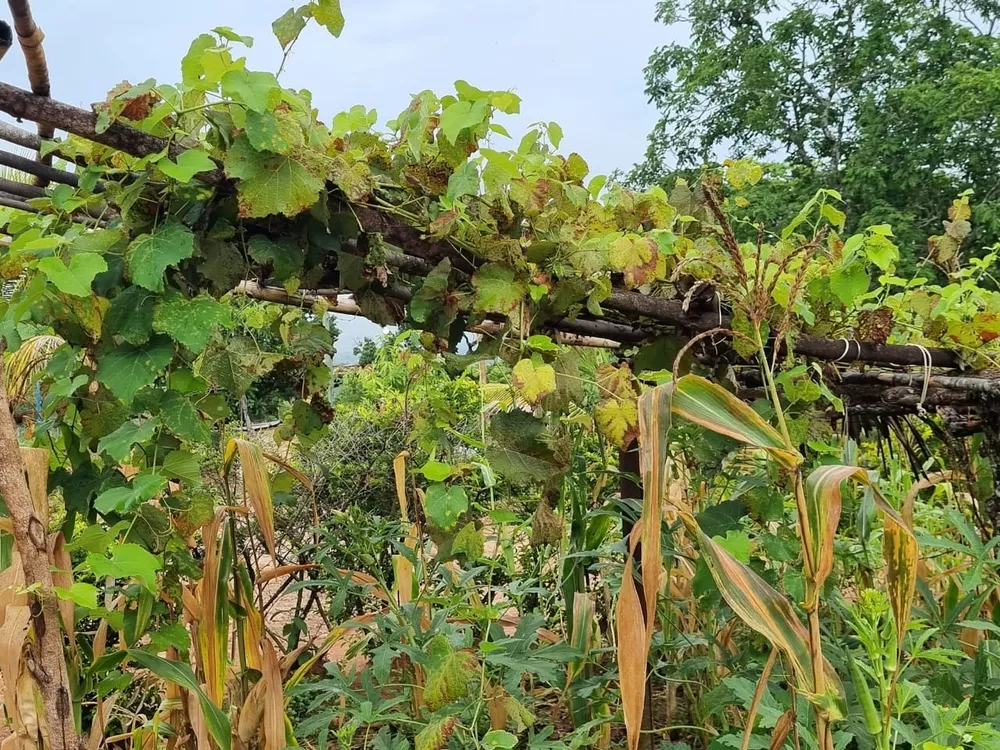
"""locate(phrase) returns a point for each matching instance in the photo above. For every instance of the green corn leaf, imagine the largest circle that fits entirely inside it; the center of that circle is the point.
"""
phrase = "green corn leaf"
(770, 614)
(180, 674)
(713, 407)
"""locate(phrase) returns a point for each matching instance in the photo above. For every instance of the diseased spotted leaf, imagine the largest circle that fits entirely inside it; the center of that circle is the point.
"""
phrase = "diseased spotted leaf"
(275, 131)
(635, 257)
(618, 420)
(191, 322)
(289, 25)
(149, 255)
(498, 291)
(272, 183)
(327, 13)
(76, 278)
(128, 369)
(181, 417)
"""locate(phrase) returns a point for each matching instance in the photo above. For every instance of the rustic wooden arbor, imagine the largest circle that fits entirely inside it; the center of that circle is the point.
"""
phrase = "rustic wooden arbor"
(876, 380)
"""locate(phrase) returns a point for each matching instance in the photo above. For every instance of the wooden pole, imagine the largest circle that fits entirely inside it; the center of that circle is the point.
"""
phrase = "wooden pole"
(20, 103)
(20, 163)
(46, 662)
(30, 38)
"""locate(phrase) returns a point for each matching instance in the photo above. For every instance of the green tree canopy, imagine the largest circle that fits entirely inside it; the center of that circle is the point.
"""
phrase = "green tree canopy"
(894, 104)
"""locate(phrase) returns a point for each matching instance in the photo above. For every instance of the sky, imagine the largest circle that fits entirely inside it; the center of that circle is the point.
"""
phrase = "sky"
(575, 62)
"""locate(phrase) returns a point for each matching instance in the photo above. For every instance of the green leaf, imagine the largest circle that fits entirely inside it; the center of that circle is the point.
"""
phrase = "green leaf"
(181, 465)
(181, 417)
(555, 134)
(272, 183)
(229, 35)
(77, 277)
(444, 504)
(327, 13)
(500, 738)
(191, 322)
(289, 25)
(716, 409)
(464, 181)
(144, 486)
(284, 257)
(131, 315)
(149, 255)
(849, 283)
(127, 561)
(461, 115)
(128, 369)
(119, 443)
(181, 674)
(259, 91)
(435, 471)
(188, 164)
(84, 594)
(497, 289)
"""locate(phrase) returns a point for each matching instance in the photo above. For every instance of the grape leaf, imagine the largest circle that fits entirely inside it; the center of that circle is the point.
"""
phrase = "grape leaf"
(191, 322)
(149, 255)
(259, 91)
(284, 257)
(181, 465)
(533, 381)
(289, 25)
(444, 504)
(328, 14)
(618, 420)
(849, 283)
(131, 315)
(271, 183)
(128, 369)
(635, 257)
(77, 277)
(461, 115)
(273, 131)
(497, 289)
(84, 594)
(127, 561)
(181, 417)
(119, 443)
(188, 164)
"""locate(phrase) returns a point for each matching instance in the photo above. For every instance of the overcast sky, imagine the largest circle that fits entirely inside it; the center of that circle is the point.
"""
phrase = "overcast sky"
(577, 62)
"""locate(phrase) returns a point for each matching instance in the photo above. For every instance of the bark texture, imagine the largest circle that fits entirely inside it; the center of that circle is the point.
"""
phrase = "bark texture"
(46, 661)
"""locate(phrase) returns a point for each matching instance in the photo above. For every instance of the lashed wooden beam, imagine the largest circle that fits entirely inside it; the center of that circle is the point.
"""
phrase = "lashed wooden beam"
(20, 103)
(20, 163)
(336, 302)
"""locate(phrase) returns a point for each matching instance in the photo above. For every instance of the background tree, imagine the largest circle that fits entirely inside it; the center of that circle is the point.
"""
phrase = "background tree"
(894, 104)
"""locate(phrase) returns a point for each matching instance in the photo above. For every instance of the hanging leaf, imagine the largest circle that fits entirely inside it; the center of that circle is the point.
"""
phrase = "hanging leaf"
(149, 255)
(181, 674)
(771, 615)
(713, 407)
(257, 485)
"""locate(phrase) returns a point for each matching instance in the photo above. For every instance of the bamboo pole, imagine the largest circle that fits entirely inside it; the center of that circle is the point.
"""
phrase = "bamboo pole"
(30, 37)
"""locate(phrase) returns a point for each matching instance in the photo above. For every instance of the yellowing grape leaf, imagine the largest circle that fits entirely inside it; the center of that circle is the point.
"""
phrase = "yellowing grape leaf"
(635, 257)
(533, 380)
(618, 420)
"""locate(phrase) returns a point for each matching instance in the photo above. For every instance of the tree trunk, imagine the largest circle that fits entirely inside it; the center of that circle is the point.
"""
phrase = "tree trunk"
(46, 660)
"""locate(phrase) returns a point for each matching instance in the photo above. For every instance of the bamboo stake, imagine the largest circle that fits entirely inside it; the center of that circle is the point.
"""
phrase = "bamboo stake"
(30, 37)
(20, 163)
